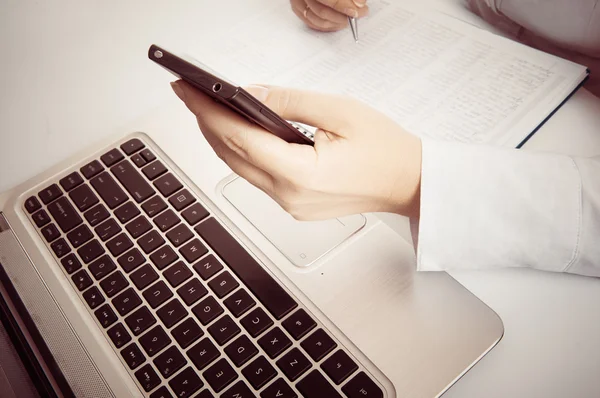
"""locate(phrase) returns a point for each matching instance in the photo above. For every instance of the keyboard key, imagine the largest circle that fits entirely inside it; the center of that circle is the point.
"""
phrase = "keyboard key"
(208, 266)
(220, 375)
(163, 257)
(79, 235)
(362, 386)
(50, 193)
(179, 235)
(150, 242)
(203, 353)
(144, 277)
(162, 392)
(105, 316)
(138, 227)
(171, 313)
(60, 247)
(131, 259)
(166, 220)
(192, 291)
(119, 335)
(259, 372)
(70, 263)
(82, 280)
(293, 364)
(275, 342)
(265, 288)
(239, 302)
(32, 204)
(157, 294)
(133, 356)
(91, 169)
(154, 205)
(140, 320)
(238, 390)
(339, 366)
(154, 340)
(279, 389)
(83, 197)
(132, 180)
(127, 212)
(111, 157)
(154, 170)
(93, 297)
(64, 214)
(207, 310)
(119, 244)
(102, 267)
(96, 215)
(126, 301)
(193, 250)
(299, 324)
(318, 345)
(149, 156)
(169, 362)
(132, 146)
(107, 229)
(224, 330)
(71, 181)
(316, 386)
(187, 332)
(206, 394)
(186, 383)
(256, 322)
(223, 284)
(167, 184)
(114, 283)
(241, 350)
(194, 214)
(90, 251)
(147, 377)
(109, 191)
(50, 232)
(181, 199)
(40, 218)
(138, 160)
(177, 274)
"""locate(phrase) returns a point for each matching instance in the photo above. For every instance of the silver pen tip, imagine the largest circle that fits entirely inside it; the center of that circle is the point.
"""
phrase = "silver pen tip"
(354, 27)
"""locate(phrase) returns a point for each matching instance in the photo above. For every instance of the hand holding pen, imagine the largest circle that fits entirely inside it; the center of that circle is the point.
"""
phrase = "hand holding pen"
(331, 15)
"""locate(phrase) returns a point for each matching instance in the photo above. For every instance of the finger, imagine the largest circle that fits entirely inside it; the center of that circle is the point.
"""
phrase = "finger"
(325, 111)
(327, 13)
(249, 141)
(350, 8)
(303, 11)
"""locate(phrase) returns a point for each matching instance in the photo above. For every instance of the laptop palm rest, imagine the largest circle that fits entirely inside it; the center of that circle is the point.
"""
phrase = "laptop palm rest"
(301, 242)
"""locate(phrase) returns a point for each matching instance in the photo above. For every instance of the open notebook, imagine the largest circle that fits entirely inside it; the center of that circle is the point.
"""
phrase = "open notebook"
(437, 76)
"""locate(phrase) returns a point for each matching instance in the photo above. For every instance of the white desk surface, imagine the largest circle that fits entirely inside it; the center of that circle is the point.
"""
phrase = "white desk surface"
(74, 71)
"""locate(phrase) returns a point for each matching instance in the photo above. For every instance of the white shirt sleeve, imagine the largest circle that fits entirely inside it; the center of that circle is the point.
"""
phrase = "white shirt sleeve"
(486, 207)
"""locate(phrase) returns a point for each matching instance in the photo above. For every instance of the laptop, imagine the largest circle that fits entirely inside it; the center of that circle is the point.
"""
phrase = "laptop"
(141, 267)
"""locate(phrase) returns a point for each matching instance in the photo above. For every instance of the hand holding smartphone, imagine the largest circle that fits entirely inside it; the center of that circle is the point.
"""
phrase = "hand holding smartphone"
(230, 95)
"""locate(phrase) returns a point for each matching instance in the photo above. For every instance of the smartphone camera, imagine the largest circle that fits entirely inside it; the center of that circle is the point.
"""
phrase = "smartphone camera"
(217, 87)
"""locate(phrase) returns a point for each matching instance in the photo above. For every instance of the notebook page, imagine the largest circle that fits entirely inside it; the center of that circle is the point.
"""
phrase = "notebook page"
(436, 76)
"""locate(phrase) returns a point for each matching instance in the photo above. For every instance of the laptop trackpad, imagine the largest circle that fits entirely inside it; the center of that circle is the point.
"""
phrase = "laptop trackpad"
(302, 242)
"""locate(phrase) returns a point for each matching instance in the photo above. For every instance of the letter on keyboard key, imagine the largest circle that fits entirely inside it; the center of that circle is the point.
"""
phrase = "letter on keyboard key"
(157, 294)
(279, 389)
(256, 322)
(220, 375)
(224, 330)
(275, 342)
(362, 386)
(239, 302)
(207, 310)
(109, 191)
(102, 267)
(144, 276)
(186, 383)
(64, 214)
(239, 389)
(171, 313)
(193, 250)
(316, 386)
(132, 180)
(203, 353)
(259, 372)
(293, 364)
(269, 292)
(241, 350)
(187, 332)
(147, 377)
(192, 291)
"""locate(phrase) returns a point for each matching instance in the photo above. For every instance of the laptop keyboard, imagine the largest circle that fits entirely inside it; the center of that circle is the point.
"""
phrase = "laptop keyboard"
(185, 306)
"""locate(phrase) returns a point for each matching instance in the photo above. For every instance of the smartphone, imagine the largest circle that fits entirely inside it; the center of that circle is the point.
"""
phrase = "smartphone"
(232, 96)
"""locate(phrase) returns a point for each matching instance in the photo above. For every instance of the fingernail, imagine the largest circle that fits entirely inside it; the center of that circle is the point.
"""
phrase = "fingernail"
(178, 90)
(360, 3)
(259, 92)
(351, 12)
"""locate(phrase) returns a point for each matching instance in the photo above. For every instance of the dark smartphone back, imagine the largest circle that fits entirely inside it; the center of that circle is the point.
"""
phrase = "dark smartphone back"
(230, 95)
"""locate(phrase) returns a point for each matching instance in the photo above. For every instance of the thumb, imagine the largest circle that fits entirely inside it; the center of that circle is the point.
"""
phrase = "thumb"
(325, 111)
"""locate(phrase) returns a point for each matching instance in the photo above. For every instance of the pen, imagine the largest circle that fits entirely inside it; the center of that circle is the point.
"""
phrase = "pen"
(354, 27)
